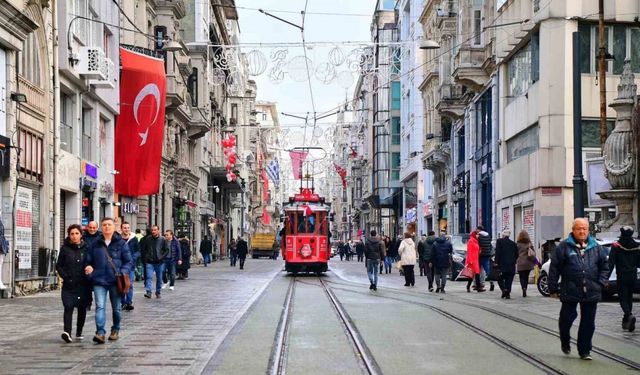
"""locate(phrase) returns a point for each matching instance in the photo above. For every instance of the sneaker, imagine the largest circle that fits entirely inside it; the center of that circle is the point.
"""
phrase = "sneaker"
(113, 336)
(171, 288)
(130, 307)
(632, 323)
(79, 337)
(371, 287)
(147, 295)
(164, 286)
(431, 289)
(375, 287)
(66, 337)
(491, 287)
(98, 339)
(586, 357)
(566, 349)
(158, 295)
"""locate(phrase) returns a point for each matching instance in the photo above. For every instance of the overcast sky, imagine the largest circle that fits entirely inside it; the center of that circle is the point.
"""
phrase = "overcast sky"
(291, 96)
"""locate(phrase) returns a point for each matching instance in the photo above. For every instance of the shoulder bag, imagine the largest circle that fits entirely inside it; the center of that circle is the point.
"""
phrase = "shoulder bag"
(122, 280)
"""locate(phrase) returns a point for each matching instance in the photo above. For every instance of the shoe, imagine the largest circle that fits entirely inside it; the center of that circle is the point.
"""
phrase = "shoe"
(524, 293)
(98, 339)
(431, 289)
(442, 290)
(66, 337)
(375, 287)
(438, 290)
(632, 323)
(504, 295)
(79, 337)
(147, 295)
(371, 287)
(113, 336)
(164, 286)
(130, 307)
(480, 290)
(468, 289)
(585, 357)
(508, 296)
(171, 288)
(566, 349)
(491, 287)
(158, 295)
(406, 285)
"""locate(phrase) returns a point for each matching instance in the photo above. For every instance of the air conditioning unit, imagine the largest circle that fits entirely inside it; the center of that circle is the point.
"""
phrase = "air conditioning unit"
(107, 82)
(92, 63)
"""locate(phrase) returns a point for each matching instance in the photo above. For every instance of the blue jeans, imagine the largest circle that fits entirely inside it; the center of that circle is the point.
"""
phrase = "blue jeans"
(388, 262)
(485, 264)
(149, 269)
(372, 270)
(127, 299)
(100, 293)
(206, 258)
(170, 267)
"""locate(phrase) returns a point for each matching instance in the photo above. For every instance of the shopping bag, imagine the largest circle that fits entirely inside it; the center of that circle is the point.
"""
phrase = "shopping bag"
(466, 273)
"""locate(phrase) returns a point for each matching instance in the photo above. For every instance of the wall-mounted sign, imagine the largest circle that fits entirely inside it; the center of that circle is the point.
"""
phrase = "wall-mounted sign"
(89, 169)
(5, 156)
(130, 208)
(551, 191)
(24, 225)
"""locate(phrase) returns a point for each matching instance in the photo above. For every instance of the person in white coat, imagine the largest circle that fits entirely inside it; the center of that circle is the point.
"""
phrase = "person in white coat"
(407, 252)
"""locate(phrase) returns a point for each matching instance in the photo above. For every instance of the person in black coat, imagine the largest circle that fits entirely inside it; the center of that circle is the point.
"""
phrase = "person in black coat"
(206, 248)
(183, 269)
(577, 274)
(625, 257)
(506, 256)
(76, 289)
(242, 251)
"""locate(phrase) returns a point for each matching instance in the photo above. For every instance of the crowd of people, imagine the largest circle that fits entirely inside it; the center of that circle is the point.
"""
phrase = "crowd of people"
(579, 270)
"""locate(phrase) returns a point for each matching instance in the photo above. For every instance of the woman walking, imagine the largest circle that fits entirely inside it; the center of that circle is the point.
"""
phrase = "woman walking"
(526, 260)
(76, 289)
(407, 252)
(473, 261)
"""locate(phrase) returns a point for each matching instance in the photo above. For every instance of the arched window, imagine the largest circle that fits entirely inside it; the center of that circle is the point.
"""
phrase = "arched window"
(30, 60)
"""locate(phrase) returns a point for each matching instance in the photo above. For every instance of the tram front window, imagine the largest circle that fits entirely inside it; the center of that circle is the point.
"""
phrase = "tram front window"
(306, 224)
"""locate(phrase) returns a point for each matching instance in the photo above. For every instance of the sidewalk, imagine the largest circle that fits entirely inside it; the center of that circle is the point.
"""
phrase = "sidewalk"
(178, 333)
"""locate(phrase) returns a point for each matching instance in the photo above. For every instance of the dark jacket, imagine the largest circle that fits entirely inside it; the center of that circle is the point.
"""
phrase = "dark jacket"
(90, 239)
(484, 241)
(176, 251)
(506, 255)
(70, 265)
(427, 249)
(393, 249)
(186, 254)
(154, 249)
(360, 248)
(206, 247)
(442, 251)
(134, 247)
(242, 249)
(103, 273)
(374, 249)
(583, 276)
(626, 260)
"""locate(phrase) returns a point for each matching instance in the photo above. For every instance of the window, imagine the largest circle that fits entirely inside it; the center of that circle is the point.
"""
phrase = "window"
(234, 114)
(483, 120)
(445, 129)
(395, 166)
(622, 41)
(395, 67)
(395, 130)
(524, 67)
(477, 27)
(66, 123)
(86, 134)
(395, 95)
(80, 26)
(591, 132)
(192, 87)
(264, 116)
(461, 150)
(524, 143)
(30, 59)
(30, 161)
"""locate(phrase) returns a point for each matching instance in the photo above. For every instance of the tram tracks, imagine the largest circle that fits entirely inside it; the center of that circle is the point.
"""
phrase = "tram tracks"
(528, 357)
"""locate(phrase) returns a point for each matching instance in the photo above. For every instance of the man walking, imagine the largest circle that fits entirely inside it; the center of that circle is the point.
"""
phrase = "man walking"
(206, 248)
(579, 265)
(427, 257)
(108, 257)
(242, 249)
(625, 257)
(506, 256)
(486, 252)
(154, 251)
(91, 234)
(134, 248)
(360, 250)
(374, 253)
(174, 259)
(442, 251)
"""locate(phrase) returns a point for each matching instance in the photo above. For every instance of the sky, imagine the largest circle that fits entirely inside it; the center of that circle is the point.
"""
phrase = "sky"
(290, 95)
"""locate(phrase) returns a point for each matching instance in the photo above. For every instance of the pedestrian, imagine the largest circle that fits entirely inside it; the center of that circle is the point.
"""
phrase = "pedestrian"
(392, 255)
(233, 252)
(139, 265)
(526, 260)
(577, 273)
(341, 250)
(506, 256)
(242, 251)
(154, 250)
(76, 289)
(108, 257)
(134, 248)
(275, 248)
(206, 248)
(173, 260)
(360, 250)
(427, 256)
(421, 243)
(441, 260)
(182, 270)
(386, 241)
(407, 252)
(373, 253)
(486, 253)
(472, 261)
(91, 234)
(625, 257)
(347, 250)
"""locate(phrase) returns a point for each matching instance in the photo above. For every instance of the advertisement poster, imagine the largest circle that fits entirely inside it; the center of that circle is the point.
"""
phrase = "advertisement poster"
(24, 208)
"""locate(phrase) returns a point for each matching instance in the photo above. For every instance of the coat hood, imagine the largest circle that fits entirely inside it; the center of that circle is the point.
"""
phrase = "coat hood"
(591, 242)
(408, 241)
(441, 239)
(373, 239)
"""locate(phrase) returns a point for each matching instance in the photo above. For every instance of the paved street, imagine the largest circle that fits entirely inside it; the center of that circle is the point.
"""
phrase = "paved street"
(225, 321)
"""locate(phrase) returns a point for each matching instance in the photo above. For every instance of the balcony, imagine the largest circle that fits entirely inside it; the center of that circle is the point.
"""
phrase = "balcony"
(436, 155)
(176, 92)
(473, 65)
(199, 124)
(452, 101)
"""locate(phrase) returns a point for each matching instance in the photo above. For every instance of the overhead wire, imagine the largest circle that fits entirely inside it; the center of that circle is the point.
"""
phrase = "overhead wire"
(306, 62)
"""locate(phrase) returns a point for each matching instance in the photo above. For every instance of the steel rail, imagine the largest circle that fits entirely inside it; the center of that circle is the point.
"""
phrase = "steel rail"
(277, 361)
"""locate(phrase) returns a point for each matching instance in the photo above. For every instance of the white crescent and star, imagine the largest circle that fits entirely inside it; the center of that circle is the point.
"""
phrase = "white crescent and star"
(153, 90)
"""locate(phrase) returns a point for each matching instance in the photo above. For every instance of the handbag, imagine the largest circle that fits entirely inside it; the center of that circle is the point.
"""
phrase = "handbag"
(466, 272)
(531, 253)
(123, 283)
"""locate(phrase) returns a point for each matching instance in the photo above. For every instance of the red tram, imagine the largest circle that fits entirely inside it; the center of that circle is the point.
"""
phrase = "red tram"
(305, 242)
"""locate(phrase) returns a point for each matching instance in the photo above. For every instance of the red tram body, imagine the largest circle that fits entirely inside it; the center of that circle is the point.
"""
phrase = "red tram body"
(305, 244)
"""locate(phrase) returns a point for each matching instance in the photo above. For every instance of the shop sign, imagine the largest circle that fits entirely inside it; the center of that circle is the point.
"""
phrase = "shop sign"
(89, 169)
(5, 156)
(130, 208)
(24, 224)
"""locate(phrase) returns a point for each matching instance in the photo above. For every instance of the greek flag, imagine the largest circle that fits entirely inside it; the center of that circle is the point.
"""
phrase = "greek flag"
(273, 170)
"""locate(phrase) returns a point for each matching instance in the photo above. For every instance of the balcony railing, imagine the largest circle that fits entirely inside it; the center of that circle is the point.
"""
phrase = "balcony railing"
(35, 95)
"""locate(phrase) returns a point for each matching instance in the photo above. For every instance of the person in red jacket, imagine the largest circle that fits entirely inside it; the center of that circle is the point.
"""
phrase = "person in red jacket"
(473, 261)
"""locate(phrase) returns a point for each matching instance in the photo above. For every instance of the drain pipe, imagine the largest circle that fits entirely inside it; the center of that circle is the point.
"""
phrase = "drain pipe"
(56, 127)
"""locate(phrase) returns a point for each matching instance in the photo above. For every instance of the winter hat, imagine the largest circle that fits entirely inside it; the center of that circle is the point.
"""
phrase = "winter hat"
(626, 231)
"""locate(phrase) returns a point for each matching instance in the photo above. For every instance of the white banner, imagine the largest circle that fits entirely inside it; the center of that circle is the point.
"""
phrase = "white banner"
(24, 224)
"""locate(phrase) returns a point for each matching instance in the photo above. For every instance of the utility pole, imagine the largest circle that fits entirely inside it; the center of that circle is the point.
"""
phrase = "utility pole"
(602, 76)
(578, 179)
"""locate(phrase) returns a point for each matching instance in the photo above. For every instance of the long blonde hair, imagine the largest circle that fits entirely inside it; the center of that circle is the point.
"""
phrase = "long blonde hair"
(523, 237)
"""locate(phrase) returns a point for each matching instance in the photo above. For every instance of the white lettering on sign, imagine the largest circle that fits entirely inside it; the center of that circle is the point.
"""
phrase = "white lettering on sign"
(130, 208)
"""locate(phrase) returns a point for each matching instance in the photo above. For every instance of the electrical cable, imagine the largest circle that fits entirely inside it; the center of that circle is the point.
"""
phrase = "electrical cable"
(306, 62)
(127, 17)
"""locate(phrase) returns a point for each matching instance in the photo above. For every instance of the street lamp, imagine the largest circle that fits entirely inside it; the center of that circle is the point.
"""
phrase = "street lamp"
(432, 136)
(428, 44)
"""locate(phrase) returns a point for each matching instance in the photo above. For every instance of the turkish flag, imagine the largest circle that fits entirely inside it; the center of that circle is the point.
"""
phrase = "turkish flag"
(297, 158)
(140, 125)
